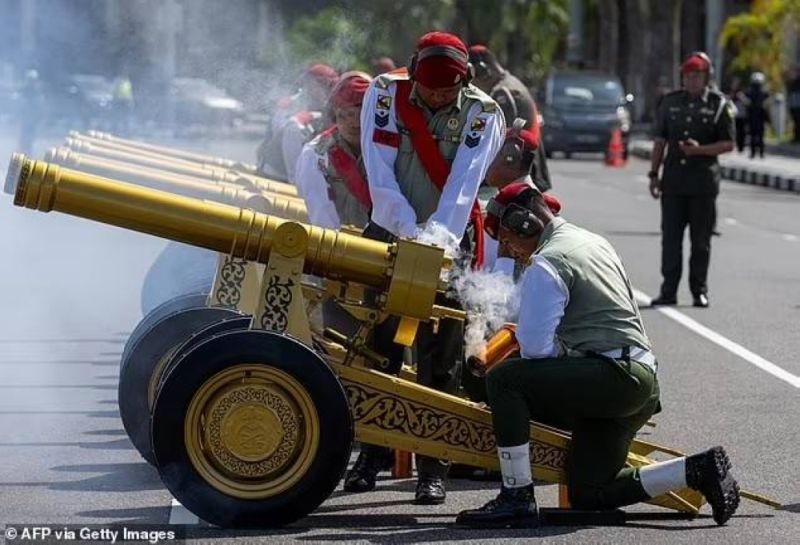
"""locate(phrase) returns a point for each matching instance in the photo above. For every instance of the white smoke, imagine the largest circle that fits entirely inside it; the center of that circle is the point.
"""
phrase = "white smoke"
(490, 298)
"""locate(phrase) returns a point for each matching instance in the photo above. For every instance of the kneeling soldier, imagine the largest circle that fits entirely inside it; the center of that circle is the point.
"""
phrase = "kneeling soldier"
(586, 366)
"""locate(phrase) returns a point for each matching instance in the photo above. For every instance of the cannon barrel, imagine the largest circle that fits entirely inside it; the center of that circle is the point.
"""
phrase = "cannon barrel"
(407, 271)
(180, 154)
(96, 148)
(283, 205)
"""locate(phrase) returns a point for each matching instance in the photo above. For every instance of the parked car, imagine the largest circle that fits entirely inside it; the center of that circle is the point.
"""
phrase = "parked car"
(83, 101)
(580, 109)
(198, 102)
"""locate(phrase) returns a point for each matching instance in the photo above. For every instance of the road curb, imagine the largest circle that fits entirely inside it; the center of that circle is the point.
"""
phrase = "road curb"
(736, 174)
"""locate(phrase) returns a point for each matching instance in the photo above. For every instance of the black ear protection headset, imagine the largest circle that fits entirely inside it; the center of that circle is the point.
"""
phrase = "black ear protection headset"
(516, 218)
(513, 146)
(445, 51)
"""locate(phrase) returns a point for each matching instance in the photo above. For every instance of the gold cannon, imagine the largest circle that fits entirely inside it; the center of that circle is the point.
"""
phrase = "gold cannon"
(252, 425)
(188, 156)
(255, 197)
(107, 150)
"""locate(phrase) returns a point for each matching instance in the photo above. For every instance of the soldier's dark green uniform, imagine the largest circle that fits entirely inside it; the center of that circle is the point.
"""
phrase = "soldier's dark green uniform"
(690, 184)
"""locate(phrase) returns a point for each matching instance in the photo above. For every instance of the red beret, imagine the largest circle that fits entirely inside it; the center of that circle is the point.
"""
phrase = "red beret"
(695, 63)
(441, 60)
(350, 89)
(504, 197)
(322, 74)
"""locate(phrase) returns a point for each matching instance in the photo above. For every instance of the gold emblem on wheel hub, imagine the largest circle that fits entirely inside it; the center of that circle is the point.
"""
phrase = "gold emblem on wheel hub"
(251, 431)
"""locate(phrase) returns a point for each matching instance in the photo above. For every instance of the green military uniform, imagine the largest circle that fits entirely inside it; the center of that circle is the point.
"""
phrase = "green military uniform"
(516, 101)
(603, 389)
(690, 184)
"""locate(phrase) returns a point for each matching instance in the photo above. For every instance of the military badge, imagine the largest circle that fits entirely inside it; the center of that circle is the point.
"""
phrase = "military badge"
(478, 124)
(452, 123)
(472, 140)
(381, 120)
(384, 102)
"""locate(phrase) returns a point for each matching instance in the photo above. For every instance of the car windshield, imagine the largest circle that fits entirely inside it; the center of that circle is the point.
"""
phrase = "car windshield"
(586, 91)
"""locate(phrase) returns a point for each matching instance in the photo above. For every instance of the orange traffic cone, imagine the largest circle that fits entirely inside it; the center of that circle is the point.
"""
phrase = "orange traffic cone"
(615, 154)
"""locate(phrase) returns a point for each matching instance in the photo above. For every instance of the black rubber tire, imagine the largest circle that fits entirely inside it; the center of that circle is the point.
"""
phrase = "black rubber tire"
(269, 349)
(232, 323)
(152, 345)
(167, 307)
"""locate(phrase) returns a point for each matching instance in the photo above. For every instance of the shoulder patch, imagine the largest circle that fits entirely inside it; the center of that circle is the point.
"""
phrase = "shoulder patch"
(471, 140)
(487, 103)
(381, 120)
(384, 102)
(384, 80)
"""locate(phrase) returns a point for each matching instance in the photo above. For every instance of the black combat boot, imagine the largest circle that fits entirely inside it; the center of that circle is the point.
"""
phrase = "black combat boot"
(371, 461)
(709, 474)
(430, 490)
(513, 508)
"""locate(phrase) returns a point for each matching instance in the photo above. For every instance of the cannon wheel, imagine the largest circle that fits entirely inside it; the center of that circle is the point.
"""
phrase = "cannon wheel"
(167, 307)
(231, 323)
(251, 429)
(146, 359)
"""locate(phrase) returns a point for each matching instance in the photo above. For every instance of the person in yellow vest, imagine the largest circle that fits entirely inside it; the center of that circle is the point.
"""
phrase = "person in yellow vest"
(428, 136)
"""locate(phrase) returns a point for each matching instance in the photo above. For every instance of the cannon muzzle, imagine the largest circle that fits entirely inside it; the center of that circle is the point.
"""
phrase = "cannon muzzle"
(408, 273)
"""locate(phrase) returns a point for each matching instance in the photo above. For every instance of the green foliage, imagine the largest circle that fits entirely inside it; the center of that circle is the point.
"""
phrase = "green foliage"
(757, 37)
(526, 34)
(331, 36)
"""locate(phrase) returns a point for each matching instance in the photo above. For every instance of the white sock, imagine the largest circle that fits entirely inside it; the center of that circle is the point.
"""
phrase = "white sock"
(663, 477)
(515, 465)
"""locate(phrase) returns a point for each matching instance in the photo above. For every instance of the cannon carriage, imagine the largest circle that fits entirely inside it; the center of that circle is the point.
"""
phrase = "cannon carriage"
(253, 416)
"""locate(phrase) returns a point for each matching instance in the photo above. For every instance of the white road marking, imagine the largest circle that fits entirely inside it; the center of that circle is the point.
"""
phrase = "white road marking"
(735, 348)
(731, 221)
(178, 514)
(790, 237)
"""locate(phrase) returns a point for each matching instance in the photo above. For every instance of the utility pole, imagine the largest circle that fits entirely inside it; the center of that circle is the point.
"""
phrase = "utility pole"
(171, 23)
(27, 37)
(714, 19)
(575, 37)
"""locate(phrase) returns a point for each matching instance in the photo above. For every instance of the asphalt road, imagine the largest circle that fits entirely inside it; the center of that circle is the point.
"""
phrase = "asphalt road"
(70, 294)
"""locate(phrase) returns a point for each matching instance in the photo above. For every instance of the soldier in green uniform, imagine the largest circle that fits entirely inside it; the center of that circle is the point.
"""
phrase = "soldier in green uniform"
(586, 366)
(514, 99)
(694, 126)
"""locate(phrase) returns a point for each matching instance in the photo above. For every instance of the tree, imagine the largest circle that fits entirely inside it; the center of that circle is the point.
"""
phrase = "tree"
(757, 37)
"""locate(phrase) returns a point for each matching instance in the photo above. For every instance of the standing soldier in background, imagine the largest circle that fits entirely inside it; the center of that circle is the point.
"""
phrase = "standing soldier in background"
(330, 172)
(513, 98)
(296, 120)
(757, 114)
(793, 100)
(694, 125)
(382, 65)
(428, 138)
(331, 178)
